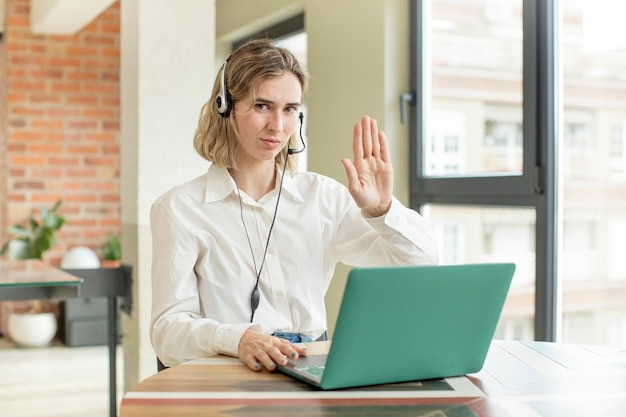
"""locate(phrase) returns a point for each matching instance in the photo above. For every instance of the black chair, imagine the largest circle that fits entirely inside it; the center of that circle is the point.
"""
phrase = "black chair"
(160, 365)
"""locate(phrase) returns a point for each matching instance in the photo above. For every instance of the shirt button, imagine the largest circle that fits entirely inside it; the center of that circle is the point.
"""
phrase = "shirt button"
(279, 294)
(270, 251)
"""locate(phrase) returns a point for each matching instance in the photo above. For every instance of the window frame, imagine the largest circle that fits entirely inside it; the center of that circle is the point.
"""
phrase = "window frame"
(537, 185)
(290, 26)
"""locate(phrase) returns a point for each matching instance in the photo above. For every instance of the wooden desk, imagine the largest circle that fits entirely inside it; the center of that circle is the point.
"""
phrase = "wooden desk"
(32, 279)
(528, 379)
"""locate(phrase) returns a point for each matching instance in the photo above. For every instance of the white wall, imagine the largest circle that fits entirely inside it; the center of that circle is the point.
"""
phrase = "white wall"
(358, 59)
(165, 80)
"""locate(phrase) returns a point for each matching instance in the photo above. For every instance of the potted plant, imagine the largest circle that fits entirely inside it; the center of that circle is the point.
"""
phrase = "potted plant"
(34, 323)
(30, 241)
(112, 252)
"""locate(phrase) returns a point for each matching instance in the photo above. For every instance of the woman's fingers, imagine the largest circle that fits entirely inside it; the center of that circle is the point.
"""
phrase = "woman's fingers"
(252, 363)
(357, 141)
(260, 351)
(384, 147)
(374, 138)
(269, 360)
(262, 359)
(367, 139)
(370, 174)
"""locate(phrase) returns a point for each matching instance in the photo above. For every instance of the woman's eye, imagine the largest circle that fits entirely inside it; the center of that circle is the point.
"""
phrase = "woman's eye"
(262, 106)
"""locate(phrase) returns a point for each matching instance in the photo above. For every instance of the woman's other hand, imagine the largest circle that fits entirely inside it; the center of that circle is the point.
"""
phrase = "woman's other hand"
(260, 351)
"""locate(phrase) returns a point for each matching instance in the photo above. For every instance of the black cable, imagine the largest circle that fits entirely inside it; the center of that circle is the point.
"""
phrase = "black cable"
(255, 297)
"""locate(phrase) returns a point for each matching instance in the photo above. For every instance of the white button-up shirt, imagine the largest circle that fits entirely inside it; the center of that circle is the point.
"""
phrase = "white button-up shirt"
(203, 271)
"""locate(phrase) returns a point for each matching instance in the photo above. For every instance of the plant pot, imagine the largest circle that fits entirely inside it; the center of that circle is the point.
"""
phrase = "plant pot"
(18, 249)
(105, 263)
(32, 329)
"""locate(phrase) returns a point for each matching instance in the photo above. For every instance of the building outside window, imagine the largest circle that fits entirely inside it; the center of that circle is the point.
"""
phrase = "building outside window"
(473, 126)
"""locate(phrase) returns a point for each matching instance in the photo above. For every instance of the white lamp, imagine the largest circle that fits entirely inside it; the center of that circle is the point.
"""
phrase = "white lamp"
(80, 257)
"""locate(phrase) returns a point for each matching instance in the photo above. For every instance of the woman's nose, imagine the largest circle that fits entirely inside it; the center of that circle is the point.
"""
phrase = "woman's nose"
(275, 122)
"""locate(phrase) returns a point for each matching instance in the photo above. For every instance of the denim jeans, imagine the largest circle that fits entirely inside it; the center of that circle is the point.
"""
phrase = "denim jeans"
(299, 337)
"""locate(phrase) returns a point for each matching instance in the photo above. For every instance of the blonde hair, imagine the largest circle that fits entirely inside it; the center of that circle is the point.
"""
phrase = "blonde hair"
(247, 67)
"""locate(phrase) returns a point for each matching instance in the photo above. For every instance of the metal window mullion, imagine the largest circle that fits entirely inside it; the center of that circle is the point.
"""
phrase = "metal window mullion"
(417, 126)
(544, 52)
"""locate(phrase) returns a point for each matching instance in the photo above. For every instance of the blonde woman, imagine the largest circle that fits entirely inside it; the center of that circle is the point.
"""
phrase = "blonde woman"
(243, 255)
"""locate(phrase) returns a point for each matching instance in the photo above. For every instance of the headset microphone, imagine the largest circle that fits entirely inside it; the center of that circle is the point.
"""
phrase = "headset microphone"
(291, 151)
(223, 100)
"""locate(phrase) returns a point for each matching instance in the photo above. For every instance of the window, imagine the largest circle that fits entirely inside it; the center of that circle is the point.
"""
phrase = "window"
(447, 151)
(474, 172)
(580, 260)
(617, 152)
(518, 153)
(503, 145)
(474, 71)
(580, 154)
(616, 230)
(593, 164)
(469, 234)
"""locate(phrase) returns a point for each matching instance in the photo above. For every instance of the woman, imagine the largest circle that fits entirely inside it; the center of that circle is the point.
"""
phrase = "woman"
(243, 255)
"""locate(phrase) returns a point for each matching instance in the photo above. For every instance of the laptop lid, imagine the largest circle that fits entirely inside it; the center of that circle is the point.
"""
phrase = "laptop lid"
(406, 323)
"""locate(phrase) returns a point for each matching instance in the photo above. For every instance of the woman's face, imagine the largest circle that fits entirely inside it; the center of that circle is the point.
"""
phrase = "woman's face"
(266, 123)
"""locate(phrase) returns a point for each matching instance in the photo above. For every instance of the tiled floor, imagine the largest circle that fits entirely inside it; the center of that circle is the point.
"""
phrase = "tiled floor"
(56, 381)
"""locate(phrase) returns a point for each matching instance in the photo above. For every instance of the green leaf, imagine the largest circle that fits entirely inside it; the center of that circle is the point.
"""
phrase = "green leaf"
(39, 235)
(19, 231)
(112, 251)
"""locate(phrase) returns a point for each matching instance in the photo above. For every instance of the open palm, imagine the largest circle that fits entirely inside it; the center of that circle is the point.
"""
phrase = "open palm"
(370, 174)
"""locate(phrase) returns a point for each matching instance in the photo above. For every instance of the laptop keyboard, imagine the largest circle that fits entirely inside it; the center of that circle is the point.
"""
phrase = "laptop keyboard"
(316, 370)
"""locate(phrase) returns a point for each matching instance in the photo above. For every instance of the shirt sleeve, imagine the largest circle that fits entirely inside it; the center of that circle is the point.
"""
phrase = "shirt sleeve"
(400, 237)
(407, 224)
(178, 330)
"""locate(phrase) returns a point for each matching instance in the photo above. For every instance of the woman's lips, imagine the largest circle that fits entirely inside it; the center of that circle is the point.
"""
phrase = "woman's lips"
(271, 143)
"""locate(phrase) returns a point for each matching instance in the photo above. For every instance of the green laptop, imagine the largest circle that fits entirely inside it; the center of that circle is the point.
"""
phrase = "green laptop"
(408, 323)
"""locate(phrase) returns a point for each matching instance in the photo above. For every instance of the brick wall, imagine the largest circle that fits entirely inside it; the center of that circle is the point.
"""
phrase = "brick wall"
(60, 122)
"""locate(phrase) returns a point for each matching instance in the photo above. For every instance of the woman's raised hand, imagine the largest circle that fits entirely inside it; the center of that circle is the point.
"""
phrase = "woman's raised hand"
(370, 174)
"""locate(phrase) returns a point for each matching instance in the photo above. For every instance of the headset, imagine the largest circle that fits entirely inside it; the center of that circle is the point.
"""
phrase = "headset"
(223, 99)
(223, 103)
(291, 151)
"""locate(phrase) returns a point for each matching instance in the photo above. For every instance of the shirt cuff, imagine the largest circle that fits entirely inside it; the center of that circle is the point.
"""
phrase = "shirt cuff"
(390, 223)
(227, 337)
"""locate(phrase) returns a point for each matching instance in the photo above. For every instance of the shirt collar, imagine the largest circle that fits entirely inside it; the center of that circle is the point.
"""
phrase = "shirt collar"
(219, 184)
(290, 188)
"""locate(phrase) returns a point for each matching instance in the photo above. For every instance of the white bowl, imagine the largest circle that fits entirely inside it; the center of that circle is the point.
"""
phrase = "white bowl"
(32, 330)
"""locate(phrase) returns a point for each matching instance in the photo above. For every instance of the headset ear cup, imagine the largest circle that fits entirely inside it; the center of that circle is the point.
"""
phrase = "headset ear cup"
(223, 100)
(228, 106)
